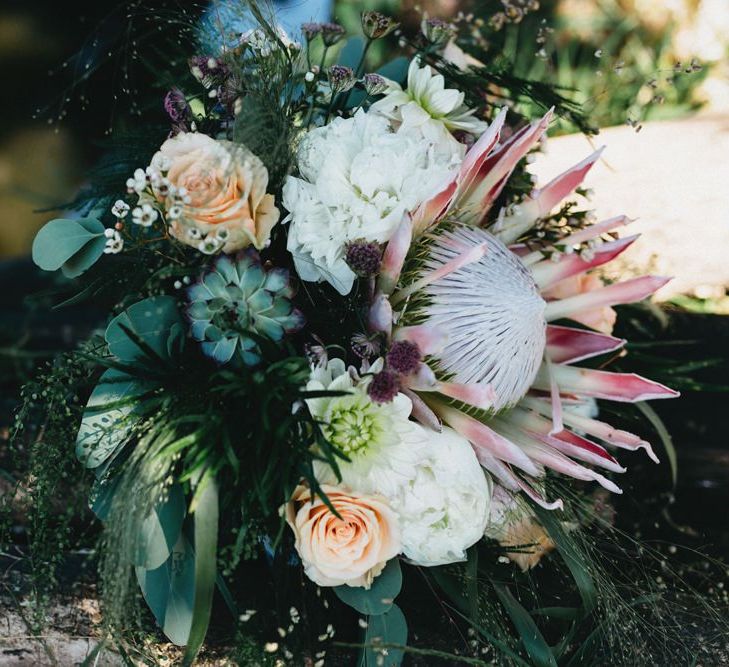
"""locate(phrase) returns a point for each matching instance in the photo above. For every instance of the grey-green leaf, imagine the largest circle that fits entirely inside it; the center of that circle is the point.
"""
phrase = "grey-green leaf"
(160, 531)
(379, 597)
(109, 417)
(71, 245)
(156, 321)
(388, 628)
(170, 591)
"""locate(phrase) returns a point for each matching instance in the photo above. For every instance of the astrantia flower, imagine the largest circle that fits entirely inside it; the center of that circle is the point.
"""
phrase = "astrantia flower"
(358, 179)
(427, 106)
(238, 297)
(486, 314)
(432, 480)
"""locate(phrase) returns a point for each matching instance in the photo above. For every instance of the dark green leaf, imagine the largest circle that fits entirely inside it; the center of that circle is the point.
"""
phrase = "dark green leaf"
(533, 641)
(71, 245)
(170, 591)
(206, 551)
(160, 531)
(388, 628)
(379, 597)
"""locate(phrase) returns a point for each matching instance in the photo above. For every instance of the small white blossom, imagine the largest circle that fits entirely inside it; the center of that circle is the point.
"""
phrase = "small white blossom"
(114, 242)
(120, 209)
(161, 162)
(209, 245)
(144, 215)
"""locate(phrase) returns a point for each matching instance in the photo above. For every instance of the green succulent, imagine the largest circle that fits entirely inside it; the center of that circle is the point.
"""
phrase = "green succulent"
(236, 298)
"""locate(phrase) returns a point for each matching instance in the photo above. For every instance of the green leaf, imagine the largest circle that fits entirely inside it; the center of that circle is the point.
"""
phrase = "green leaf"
(388, 628)
(652, 416)
(206, 551)
(70, 245)
(351, 52)
(169, 591)
(149, 327)
(160, 531)
(109, 417)
(533, 641)
(379, 597)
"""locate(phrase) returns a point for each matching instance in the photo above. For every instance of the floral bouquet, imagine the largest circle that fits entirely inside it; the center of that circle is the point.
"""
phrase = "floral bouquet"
(348, 338)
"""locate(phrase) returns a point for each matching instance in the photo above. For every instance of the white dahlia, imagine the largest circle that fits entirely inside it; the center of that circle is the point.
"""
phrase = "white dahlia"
(432, 480)
(357, 180)
(428, 107)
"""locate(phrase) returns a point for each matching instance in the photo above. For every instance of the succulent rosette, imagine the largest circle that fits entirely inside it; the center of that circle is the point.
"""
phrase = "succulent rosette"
(235, 301)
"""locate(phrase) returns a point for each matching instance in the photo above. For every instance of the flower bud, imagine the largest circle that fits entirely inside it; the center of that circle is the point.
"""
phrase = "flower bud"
(384, 387)
(437, 31)
(341, 78)
(374, 84)
(331, 33)
(311, 30)
(364, 258)
(376, 25)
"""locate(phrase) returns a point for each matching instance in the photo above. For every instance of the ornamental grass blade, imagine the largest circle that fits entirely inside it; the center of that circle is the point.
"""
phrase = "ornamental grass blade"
(206, 548)
(657, 423)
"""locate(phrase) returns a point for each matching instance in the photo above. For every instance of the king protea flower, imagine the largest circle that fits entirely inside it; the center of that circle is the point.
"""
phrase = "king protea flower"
(484, 313)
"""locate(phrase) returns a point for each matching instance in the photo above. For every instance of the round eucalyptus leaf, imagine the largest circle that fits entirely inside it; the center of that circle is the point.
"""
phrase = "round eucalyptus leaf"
(379, 597)
(388, 628)
(59, 242)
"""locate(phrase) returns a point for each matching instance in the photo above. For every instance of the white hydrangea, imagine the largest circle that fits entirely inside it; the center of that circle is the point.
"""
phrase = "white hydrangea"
(432, 480)
(358, 179)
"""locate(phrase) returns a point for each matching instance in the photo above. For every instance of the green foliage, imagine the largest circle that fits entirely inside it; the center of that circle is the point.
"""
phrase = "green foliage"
(384, 633)
(379, 598)
(70, 245)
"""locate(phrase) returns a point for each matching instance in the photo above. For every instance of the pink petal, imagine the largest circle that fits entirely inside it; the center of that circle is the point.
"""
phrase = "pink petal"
(430, 339)
(430, 211)
(566, 345)
(479, 394)
(394, 257)
(380, 315)
(482, 437)
(421, 412)
(621, 387)
(545, 199)
(591, 232)
(612, 295)
(479, 151)
(582, 449)
(546, 273)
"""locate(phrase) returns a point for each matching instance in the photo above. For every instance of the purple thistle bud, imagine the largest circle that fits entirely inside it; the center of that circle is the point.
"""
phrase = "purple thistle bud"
(403, 357)
(331, 33)
(376, 25)
(437, 31)
(364, 346)
(364, 258)
(176, 106)
(384, 387)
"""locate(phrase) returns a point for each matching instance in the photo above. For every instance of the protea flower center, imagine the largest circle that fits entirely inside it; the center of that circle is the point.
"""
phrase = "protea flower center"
(489, 311)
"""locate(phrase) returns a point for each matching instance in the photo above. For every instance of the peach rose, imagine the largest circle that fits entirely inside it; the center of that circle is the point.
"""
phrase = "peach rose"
(226, 205)
(600, 319)
(352, 550)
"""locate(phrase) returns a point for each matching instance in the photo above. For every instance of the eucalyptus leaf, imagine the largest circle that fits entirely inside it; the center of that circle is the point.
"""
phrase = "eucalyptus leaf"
(169, 591)
(379, 597)
(109, 417)
(388, 628)
(160, 531)
(70, 245)
(155, 321)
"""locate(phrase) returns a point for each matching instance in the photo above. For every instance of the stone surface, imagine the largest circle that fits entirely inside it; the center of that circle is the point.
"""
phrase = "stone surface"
(673, 176)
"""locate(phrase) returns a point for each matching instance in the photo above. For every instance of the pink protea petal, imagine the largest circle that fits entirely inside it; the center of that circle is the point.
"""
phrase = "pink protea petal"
(566, 345)
(591, 232)
(473, 254)
(593, 427)
(479, 193)
(545, 199)
(546, 273)
(429, 339)
(612, 295)
(423, 379)
(431, 211)
(482, 437)
(582, 449)
(478, 153)
(380, 315)
(621, 387)
(555, 399)
(538, 498)
(421, 412)
(479, 394)
(394, 256)
(500, 470)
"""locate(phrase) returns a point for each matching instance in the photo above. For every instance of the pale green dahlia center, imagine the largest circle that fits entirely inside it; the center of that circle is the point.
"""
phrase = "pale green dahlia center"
(353, 427)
